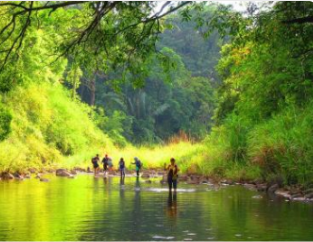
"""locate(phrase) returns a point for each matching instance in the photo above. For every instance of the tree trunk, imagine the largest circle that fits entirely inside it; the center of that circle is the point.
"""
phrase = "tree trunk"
(92, 92)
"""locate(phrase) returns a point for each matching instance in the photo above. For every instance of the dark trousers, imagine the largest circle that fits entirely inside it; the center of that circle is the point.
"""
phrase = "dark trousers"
(172, 183)
(137, 172)
(122, 170)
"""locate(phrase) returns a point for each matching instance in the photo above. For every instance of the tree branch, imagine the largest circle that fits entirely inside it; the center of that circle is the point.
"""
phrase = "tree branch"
(308, 19)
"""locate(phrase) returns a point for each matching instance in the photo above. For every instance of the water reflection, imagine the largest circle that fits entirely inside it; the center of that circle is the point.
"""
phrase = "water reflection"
(100, 210)
(172, 205)
(122, 181)
(137, 185)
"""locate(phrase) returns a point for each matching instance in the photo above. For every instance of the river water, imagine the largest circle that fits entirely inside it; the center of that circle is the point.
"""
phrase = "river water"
(98, 209)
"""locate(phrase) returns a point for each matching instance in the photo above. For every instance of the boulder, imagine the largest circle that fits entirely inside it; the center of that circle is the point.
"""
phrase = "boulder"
(308, 191)
(27, 176)
(283, 193)
(62, 172)
(257, 197)
(148, 181)
(164, 179)
(73, 172)
(79, 169)
(228, 182)
(273, 188)
(192, 181)
(7, 176)
(44, 179)
(294, 196)
(38, 176)
(161, 173)
(32, 170)
(299, 199)
(251, 187)
(18, 176)
(309, 195)
(112, 173)
(145, 176)
(261, 187)
(182, 177)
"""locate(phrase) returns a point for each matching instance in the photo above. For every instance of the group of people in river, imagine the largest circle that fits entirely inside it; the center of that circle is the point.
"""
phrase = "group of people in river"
(172, 168)
(108, 165)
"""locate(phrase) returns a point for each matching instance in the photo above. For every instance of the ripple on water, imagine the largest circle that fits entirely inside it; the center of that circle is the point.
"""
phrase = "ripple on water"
(152, 189)
(163, 237)
(191, 234)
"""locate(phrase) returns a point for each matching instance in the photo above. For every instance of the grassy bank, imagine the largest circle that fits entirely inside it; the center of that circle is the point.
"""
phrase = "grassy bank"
(47, 128)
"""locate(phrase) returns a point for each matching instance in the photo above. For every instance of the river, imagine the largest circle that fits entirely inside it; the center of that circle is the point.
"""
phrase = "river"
(98, 209)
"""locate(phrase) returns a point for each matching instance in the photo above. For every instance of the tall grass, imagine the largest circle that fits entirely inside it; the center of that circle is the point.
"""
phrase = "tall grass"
(283, 145)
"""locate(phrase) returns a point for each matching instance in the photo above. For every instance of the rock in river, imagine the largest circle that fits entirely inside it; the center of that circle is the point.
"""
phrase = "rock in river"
(62, 172)
(44, 180)
(145, 176)
(6, 176)
(273, 188)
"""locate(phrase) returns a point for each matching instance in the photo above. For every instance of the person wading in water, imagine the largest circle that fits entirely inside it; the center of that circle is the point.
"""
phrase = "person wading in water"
(105, 162)
(95, 164)
(138, 165)
(122, 167)
(172, 175)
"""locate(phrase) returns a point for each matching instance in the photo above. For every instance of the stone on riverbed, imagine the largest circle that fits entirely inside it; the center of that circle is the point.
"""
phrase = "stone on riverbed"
(257, 197)
(27, 176)
(250, 187)
(273, 188)
(227, 182)
(44, 179)
(182, 178)
(62, 172)
(6, 176)
(309, 195)
(283, 193)
(261, 187)
(145, 176)
(32, 170)
(18, 176)
(73, 172)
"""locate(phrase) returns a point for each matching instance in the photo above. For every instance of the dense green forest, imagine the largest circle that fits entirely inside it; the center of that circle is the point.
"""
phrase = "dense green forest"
(78, 78)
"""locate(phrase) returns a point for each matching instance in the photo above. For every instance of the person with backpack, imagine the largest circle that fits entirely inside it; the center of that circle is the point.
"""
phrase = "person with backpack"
(105, 162)
(138, 165)
(172, 175)
(122, 167)
(95, 164)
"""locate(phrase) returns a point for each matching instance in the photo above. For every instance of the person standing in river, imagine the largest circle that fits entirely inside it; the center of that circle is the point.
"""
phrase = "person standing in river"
(138, 165)
(172, 175)
(105, 162)
(122, 167)
(95, 164)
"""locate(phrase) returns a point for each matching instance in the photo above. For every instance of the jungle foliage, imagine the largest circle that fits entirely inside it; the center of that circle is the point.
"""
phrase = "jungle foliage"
(146, 76)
